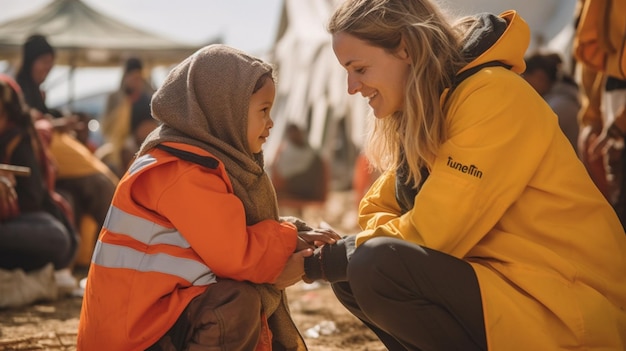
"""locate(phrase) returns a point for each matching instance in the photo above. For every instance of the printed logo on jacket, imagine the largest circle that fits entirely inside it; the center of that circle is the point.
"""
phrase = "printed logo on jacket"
(463, 168)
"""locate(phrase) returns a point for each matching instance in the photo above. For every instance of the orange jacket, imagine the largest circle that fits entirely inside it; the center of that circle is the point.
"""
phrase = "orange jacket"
(172, 228)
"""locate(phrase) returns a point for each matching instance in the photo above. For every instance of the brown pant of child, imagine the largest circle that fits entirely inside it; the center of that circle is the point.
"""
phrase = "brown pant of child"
(227, 316)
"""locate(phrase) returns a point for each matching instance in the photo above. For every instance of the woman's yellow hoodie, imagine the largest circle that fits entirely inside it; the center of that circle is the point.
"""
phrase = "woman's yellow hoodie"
(508, 194)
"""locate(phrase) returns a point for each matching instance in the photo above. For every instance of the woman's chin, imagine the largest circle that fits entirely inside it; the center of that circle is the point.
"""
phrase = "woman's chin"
(380, 115)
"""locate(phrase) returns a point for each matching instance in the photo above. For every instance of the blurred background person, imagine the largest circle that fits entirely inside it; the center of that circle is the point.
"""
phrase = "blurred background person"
(298, 172)
(127, 118)
(545, 74)
(35, 223)
(600, 54)
(81, 130)
(85, 181)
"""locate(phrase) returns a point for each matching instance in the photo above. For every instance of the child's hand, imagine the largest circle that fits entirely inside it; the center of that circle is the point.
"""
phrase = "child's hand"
(316, 237)
(294, 269)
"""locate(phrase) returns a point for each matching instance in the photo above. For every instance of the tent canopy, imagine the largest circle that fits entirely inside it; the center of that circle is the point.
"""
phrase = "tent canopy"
(82, 36)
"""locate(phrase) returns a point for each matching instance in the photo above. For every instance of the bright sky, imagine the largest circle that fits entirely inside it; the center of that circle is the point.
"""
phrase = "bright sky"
(249, 25)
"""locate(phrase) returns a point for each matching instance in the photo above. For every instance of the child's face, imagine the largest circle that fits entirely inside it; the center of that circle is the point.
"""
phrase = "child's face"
(259, 120)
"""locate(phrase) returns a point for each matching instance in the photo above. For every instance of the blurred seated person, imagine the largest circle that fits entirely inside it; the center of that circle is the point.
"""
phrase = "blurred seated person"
(138, 135)
(129, 150)
(126, 110)
(85, 181)
(35, 222)
(298, 172)
(545, 74)
(81, 130)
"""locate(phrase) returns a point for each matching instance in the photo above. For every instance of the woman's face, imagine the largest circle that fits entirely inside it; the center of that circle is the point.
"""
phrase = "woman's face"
(377, 74)
(41, 67)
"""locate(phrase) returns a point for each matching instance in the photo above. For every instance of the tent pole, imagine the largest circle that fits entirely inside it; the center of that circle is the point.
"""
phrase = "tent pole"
(70, 82)
(70, 89)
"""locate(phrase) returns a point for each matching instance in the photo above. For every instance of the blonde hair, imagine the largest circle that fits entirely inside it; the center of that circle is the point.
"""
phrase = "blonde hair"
(414, 135)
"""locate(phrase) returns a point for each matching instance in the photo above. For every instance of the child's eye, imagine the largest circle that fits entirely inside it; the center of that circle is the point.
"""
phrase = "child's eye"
(360, 70)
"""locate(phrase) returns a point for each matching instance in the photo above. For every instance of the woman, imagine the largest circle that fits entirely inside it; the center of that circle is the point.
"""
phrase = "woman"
(485, 231)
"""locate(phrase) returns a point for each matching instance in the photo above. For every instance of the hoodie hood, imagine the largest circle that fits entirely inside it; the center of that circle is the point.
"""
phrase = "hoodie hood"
(502, 38)
(204, 103)
(206, 98)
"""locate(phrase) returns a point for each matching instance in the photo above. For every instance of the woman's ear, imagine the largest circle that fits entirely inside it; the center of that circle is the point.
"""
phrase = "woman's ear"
(403, 52)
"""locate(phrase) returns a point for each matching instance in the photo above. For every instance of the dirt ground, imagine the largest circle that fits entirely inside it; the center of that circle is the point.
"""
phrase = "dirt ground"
(324, 323)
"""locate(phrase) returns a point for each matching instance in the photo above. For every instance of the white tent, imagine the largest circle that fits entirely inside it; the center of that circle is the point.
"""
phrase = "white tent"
(311, 90)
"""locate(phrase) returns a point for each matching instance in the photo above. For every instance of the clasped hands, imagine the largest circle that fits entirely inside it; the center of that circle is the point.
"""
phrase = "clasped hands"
(308, 240)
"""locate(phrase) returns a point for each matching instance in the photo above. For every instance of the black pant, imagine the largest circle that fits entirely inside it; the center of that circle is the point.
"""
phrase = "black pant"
(34, 239)
(414, 298)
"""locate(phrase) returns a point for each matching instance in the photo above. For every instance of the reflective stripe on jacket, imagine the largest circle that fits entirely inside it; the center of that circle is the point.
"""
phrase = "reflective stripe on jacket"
(172, 228)
(149, 233)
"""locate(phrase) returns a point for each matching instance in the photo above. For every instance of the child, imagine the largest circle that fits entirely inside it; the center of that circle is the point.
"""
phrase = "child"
(193, 253)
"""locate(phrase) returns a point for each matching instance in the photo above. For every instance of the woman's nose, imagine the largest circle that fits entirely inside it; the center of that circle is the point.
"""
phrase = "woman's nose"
(353, 85)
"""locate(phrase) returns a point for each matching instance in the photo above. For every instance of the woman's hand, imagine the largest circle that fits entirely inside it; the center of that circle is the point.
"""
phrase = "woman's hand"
(294, 269)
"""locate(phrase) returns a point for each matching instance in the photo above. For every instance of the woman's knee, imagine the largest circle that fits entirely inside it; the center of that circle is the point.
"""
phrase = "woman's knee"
(380, 256)
(383, 267)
